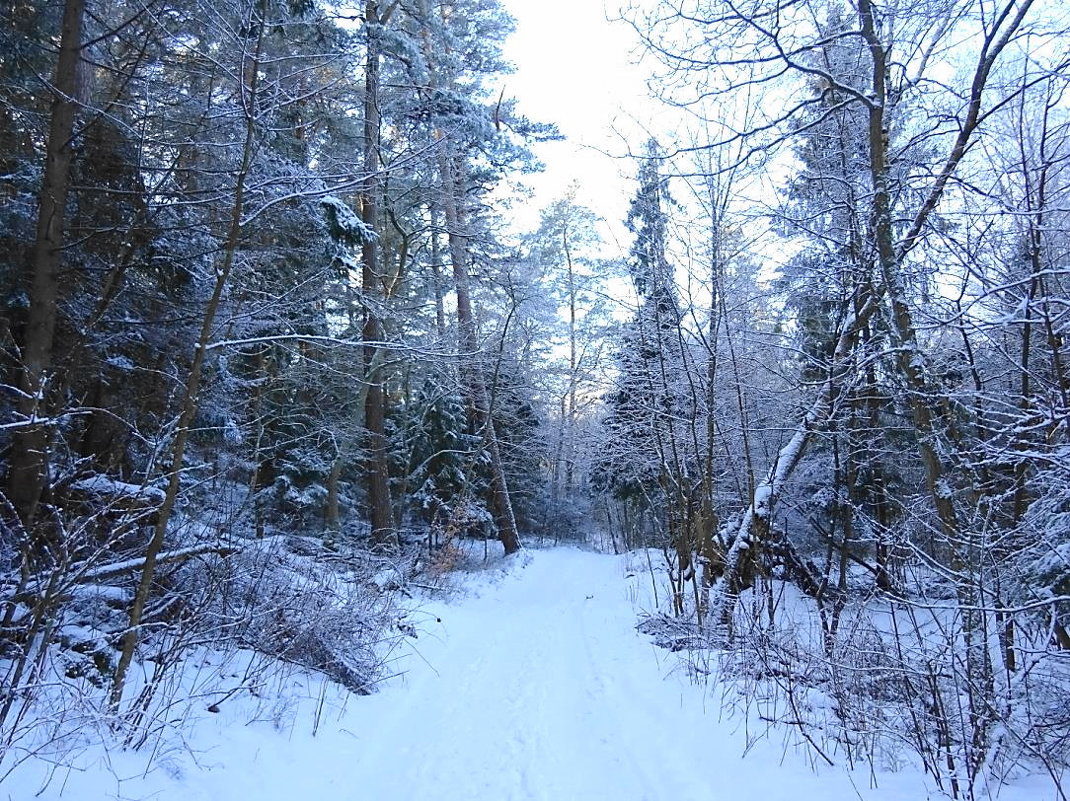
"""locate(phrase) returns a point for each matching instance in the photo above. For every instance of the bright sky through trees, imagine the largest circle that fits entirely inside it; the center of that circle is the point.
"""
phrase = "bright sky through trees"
(576, 68)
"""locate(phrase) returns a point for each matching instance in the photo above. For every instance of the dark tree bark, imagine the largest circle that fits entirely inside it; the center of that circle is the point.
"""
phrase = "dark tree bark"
(28, 473)
(382, 524)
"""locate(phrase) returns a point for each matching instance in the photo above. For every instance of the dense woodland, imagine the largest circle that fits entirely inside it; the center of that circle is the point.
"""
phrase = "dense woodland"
(261, 284)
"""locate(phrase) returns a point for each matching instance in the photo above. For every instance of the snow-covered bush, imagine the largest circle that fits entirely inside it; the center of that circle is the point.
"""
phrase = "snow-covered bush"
(293, 599)
(253, 610)
(917, 679)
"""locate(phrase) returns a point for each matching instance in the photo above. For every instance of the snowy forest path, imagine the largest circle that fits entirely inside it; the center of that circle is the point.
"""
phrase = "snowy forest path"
(531, 685)
(537, 687)
(520, 695)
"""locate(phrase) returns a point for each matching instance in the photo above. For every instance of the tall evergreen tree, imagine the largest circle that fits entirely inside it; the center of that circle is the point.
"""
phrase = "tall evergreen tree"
(649, 465)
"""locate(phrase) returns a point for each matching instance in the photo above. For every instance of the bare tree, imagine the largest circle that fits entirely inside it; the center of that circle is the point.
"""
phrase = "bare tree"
(896, 54)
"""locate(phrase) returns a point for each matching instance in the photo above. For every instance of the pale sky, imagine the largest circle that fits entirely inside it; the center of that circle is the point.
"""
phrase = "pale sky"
(576, 68)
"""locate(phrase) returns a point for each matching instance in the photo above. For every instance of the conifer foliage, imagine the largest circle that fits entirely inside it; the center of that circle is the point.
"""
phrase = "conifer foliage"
(231, 234)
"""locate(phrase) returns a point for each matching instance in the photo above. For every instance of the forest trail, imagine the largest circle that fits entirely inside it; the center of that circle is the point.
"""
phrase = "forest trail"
(537, 687)
(532, 690)
(530, 685)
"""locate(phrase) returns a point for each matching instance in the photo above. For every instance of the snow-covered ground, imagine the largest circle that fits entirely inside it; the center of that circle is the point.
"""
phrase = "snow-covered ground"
(533, 684)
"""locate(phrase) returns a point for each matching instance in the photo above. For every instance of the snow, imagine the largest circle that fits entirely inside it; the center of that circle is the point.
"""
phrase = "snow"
(533, 685)
(103, 485)
(347, 219)
(763, 494)
(121, 363)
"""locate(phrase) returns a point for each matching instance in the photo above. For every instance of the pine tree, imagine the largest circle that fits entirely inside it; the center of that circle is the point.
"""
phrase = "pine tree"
(648, 465)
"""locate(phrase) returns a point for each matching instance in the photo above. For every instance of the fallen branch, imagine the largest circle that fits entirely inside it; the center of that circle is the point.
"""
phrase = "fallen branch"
(85, 574)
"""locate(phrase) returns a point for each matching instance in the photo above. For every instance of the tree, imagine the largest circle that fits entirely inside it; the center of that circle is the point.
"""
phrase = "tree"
(652, 466)
(882, 127)
(564, 251)
(829, 278)
(442, 459)
(372, 281)
(27, 477)
(256, 179)
(881, 90)
(474, 139)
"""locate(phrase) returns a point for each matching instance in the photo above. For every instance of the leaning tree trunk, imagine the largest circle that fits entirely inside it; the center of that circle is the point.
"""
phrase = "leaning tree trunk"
(190, 396)
(28, 472)
(475, 382)
(753, 527)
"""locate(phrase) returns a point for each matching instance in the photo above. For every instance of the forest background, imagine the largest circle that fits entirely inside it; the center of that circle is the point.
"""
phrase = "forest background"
(262, 283)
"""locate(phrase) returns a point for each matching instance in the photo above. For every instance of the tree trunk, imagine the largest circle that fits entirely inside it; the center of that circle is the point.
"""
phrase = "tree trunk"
(332, 517)
(438, 283)
(475, 383)
(907, 352)
(382, 522)
(28, 473)
(190, 399)
(569, 417)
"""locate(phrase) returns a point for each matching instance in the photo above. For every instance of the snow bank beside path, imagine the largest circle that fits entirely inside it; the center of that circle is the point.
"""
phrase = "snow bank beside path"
(535, 686)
